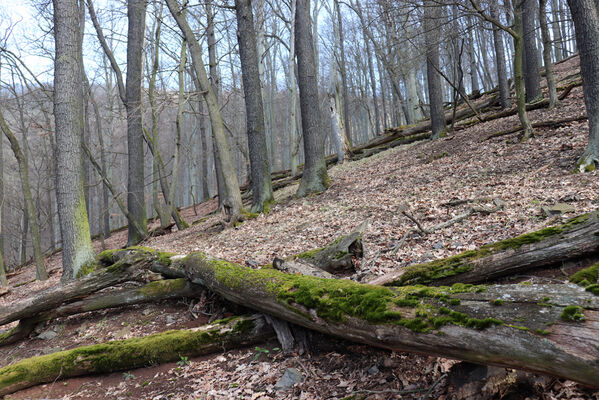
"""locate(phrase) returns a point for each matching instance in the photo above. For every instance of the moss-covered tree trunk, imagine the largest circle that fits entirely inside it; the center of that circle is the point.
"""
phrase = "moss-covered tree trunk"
(133, 353)
(517, 326)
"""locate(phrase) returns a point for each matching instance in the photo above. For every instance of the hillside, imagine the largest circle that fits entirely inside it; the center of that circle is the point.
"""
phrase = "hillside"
(432, 181)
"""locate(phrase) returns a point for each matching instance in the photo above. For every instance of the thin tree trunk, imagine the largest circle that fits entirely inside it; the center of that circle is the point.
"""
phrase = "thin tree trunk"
(41, 273)
(549, 75)
(500, 64)
(435, 90)
(231, 200)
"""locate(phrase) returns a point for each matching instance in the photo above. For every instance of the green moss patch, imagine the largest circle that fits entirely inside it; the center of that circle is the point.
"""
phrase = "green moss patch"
(161, 287)
(572, 314)
(593, 289)
(586, 276)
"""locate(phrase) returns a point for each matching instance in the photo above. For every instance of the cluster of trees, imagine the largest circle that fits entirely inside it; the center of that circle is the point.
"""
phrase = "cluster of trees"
(356, 67)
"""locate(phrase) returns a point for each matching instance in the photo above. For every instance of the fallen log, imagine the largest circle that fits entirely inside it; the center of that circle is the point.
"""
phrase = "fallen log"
(150, 292)
(122, 355)
(542, 328)
(574, 239)
(542, 124)
(133, 265)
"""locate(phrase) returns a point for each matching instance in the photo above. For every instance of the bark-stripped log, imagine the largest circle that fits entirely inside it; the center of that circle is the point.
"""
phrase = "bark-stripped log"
(578, 237)
(542, 328)
(133, 353)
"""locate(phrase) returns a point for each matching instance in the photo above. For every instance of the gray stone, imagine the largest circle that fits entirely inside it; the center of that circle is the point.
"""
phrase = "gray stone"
(438, 245)
(373, 370)
(170, 320)
(290, 378)
(47, 335)
(557, 209)
(147, 311)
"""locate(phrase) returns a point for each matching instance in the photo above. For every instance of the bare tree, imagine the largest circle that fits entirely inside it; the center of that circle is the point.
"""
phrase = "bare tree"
(68, 116)
(315, 177)
(248, 53)
(586, 20)
(431, 22)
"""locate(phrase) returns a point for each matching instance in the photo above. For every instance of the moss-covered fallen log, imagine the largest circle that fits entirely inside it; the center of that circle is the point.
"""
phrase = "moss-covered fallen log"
(131, 265)
(578, 237)
(134, 353)
(551, 329)
(150, 292)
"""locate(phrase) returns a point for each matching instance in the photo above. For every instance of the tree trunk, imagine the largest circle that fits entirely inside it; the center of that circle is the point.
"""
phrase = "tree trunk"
(136, 204)
(504, 89)
(586, 20)
(123, 355)
(68, 114)
(41, 273)
(462, 322)
(549, 75)
(532, 74)
(231, 199)
(260, 167)
(315, 177)
(518, 66)
(431, 23)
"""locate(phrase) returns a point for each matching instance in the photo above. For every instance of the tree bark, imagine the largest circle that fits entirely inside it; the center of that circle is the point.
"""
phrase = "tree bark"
(549, 75)
(521, 92)
(586, 21)
(532, 74)
(259, 164)
(136, 15)
(504, 89)
(462, 322)
(431, 23)
(68, 113)
(315, 177)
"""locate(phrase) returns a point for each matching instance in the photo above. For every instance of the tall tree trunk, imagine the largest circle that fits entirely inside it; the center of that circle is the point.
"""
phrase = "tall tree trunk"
(549, 75)
(518, 37)
(435, 89)
(472, 57)
(231, 200)
(248, 53)
(558, 40)
(504, 89)
(68, 113)
(586, 20)
(532, 74)
(315, 177)
(343, 71)
(136, 14)
(215, 82)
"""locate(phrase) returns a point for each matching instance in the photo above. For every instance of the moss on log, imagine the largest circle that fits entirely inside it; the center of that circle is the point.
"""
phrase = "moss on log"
(133, 353)
(549, 246)
(461, 321)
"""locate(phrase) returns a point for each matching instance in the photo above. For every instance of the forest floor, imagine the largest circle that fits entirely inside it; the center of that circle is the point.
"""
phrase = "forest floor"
(420, 178)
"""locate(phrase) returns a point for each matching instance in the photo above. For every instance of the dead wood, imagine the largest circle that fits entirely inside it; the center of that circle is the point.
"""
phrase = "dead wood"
(547, 247)
(133, 266)
(133, 353)
(542, 328)
(542, 124)
(148, 293)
